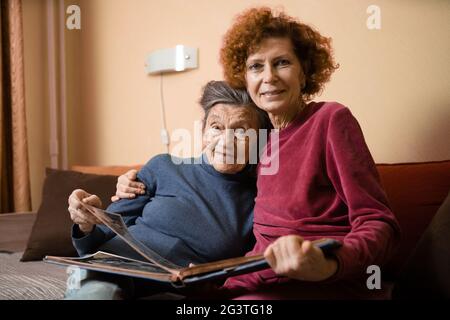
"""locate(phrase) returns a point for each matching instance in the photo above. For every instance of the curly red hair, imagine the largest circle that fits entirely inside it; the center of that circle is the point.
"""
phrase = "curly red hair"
(250, 28)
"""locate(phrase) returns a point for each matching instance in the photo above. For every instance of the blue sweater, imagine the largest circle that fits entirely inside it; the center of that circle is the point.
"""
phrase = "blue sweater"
(189, 213)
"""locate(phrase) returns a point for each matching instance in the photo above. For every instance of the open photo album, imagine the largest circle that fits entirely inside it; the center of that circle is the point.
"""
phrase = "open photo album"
(158, 268)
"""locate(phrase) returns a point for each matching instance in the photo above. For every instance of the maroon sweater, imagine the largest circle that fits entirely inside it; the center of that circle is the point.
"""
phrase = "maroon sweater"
(327, 185)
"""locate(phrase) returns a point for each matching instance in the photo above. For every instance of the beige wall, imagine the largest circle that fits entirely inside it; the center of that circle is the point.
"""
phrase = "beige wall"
(395, 80)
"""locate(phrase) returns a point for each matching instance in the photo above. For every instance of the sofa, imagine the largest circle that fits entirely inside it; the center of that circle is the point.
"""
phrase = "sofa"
(415, 191)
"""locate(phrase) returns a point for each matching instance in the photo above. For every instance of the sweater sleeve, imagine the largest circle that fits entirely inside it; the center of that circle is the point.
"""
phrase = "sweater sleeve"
(130, 209)
(375, 232)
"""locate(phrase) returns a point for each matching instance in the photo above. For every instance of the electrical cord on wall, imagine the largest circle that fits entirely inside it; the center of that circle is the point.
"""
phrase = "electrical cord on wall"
(164, 133)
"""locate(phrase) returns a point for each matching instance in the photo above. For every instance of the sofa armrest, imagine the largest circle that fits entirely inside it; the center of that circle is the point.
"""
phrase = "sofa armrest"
(15, 229)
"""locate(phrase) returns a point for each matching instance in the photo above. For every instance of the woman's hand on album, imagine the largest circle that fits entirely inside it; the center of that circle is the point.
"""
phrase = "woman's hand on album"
(127, 187)
(79, 215)
(296, 258)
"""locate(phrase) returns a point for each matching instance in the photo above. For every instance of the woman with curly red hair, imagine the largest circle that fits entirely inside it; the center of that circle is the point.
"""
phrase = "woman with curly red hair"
(327, 184)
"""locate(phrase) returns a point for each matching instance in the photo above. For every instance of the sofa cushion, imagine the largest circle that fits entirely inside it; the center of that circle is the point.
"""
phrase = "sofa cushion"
(426, 274)
(415, 192)
(15, 229)
(51, 233)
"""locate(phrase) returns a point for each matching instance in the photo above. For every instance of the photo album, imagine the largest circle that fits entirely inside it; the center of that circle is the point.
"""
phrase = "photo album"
(158, 268)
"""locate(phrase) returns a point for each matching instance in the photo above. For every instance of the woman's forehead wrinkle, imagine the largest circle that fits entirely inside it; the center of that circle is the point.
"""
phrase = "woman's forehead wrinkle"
(215, 116)
(232, 116)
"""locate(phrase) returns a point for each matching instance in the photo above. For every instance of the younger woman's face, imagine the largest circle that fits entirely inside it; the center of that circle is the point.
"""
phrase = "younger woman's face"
(274, 76)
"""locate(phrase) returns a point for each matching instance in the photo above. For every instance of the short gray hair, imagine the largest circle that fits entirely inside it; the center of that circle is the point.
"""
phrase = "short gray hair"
(220, 92)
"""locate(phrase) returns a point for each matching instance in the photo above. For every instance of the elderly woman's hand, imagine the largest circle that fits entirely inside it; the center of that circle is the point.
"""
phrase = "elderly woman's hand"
(80, 216)
(127, 187)
(299, 259)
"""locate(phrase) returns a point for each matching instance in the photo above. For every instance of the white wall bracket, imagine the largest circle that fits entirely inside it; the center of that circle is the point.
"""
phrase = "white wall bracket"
(174, 59)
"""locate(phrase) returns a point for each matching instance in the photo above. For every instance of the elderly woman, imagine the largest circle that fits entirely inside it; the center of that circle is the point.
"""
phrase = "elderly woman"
(180, 216)
(327, 184)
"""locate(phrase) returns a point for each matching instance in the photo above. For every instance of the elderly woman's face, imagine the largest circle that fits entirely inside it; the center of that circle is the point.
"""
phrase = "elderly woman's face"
(225, 136)
(274, 76)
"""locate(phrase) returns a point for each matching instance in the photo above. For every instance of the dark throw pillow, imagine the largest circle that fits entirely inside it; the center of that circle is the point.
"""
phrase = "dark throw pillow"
(51, 233)
(426, 274)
